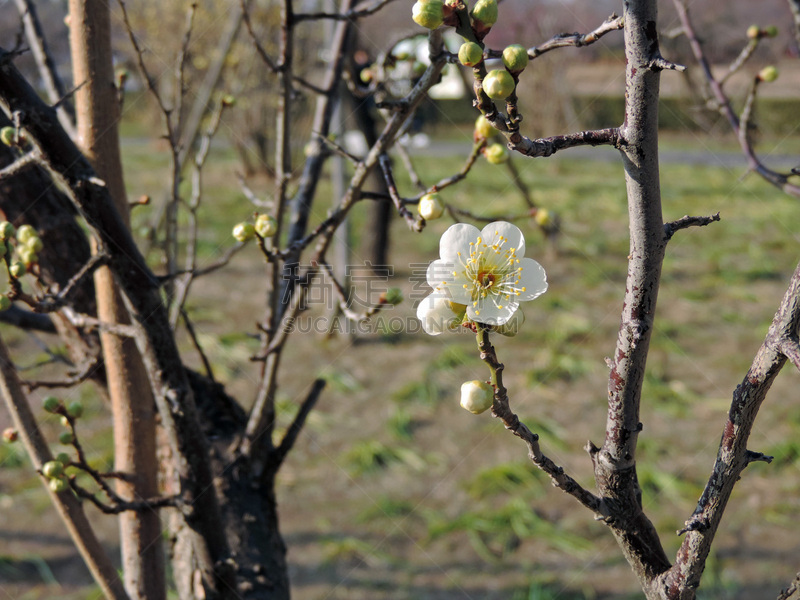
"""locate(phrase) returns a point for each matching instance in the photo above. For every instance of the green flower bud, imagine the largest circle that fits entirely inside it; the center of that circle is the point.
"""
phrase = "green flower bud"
(470, 54)
(753, 31)
(7, 230)
(52, 469)
(229, 100)
(515, 58)
(75, 409)
(768, 74)
(543, 218)
(8, 136)
(58, 485)
(430, 207)
(17, 269)
(476, 396)
(428, 13)
(51, 404)
(496, 154)
(35, 244)
(266, 226)
(484, 14)
(10, 435)
(25, 233)
(27, 255)
(771, 31)
(243, 232)
(393, 296)
(483, 129)
(63, 458)
(66, 438)
(498, 84)
(5, 302)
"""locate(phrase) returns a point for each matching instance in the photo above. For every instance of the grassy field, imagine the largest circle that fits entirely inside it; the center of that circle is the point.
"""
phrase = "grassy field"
(395, 492)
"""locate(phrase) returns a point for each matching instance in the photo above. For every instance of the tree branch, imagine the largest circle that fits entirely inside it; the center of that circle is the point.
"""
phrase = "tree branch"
(733, 455)
(69, 508)
(685, 222)
(281, 452)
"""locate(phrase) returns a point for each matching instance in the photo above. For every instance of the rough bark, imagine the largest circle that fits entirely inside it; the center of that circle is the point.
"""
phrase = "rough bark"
(615, 462)
(132, 402)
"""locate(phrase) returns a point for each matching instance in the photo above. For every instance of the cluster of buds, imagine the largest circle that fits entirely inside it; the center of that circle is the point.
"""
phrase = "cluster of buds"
(53, 471)
(265, 227)
(19, 248)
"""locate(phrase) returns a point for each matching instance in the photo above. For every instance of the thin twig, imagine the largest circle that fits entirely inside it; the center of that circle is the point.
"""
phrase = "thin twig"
(386, 167)
(686, 222)
(349, 15)
(279, 455)
(23, 162)
(502, 410)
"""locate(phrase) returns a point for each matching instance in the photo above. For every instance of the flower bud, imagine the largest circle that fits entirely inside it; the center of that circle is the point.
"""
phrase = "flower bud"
(428, 13)
(58, 485)
(35, 244)
(430, 207)
(229, 101)
(25, 233)
(484, 14)
(10, 435)
(476, 396)
(27, 255)
(543, 218)
(470, 54)
(266, 226)
(8, 136)
(75, 409)
(393, 296)
(483, 129)
(7, 230)
(515, 58)
(243, 232)
(63, 458)
(498, 84)
(771, 31)
(17, 269)
(5, 303)
(66, 438)
(511, 327)
(768, 74)
(496, 154)
(753, 31)
(64, 421)
(51, 404)
(52, 469)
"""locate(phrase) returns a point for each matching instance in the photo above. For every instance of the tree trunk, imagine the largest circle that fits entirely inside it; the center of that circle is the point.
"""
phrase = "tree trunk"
(132, 402)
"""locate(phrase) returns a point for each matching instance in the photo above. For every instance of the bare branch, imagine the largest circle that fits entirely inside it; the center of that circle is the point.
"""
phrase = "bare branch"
(577, 40)
(502, 410)
(790, 348)
(349, 15)
(89, 322)
(279, 455)
(685, 222)
(548, 146)
(386, 167)
(23, 162)
(795, 586)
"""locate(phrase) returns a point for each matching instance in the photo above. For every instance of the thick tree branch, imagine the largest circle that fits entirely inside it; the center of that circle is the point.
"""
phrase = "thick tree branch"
(733, 456)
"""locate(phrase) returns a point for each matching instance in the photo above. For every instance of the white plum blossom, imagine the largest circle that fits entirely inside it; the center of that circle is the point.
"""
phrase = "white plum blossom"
(486, 271)
(438, 314)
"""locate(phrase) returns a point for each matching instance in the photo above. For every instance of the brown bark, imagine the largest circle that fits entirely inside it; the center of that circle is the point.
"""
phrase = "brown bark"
(129, 389)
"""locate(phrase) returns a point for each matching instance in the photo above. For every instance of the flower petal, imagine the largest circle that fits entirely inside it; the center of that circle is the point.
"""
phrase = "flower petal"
(440, 272)
(487, 312)
(492, 233)
(437, 314)
(456, 239)
(533, 280)
(442, 275)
